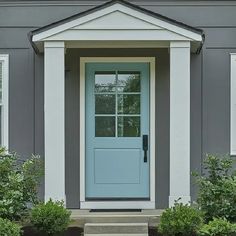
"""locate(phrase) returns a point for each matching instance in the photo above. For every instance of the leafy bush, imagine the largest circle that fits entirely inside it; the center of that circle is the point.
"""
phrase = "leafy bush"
(51, 217)
(7, 228)
(180, 220)
(217, 188)
(18, 184)
(218, 227)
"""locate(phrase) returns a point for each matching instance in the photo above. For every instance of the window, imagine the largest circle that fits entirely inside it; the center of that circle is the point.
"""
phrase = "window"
(4, 74)
(117, 104)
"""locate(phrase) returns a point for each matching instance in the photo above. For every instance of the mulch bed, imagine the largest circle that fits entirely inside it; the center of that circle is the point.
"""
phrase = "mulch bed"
(71, 231)
(153, 232)
(74, 231)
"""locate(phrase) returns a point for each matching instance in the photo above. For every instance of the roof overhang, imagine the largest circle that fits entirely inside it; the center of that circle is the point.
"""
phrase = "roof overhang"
(117, 24)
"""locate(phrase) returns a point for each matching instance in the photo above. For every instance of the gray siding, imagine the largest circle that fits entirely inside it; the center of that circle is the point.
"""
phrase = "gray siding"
(210, 81)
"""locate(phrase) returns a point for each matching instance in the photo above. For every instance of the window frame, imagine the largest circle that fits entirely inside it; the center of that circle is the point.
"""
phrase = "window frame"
(4, 59)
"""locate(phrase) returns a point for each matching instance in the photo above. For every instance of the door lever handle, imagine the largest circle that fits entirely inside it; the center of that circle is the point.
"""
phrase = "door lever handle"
(145, 146)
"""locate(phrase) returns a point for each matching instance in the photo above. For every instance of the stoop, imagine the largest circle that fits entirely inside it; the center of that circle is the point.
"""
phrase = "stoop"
(82, 217)
(116, 229)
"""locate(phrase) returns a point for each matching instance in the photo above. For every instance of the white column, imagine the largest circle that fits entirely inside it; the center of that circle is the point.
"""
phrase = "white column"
(54, 118)
(233, 104)
(179, 122)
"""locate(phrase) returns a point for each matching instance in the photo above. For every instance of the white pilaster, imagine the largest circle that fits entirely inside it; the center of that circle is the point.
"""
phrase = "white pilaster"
(179, 122)
(54, 118)
(233, 104)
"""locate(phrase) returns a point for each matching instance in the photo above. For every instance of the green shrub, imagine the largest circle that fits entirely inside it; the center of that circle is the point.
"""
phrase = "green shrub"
(218, 227)
(51, 217)
(217, 188)
(18, 184)
(8, 228)
(180, 220)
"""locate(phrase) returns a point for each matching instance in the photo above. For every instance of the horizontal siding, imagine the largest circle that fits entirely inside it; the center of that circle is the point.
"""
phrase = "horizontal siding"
(196, 15)
(220, 38)
(216, 100)
(14, 38)
(21, 101)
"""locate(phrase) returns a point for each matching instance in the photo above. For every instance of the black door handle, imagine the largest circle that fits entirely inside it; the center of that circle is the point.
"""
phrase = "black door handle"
(145, 146)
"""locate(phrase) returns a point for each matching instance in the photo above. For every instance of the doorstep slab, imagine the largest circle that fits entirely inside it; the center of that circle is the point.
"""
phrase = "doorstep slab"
(81, 217)
(116, 229)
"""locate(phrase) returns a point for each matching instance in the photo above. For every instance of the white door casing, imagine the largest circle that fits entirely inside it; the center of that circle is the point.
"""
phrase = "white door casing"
(117, 204)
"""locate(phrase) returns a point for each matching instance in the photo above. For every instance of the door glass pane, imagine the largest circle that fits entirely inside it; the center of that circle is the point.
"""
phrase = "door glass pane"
(128, 104)
(105, 104)
(128, 82)
(105, 126)
(105, 81)
(128, 126)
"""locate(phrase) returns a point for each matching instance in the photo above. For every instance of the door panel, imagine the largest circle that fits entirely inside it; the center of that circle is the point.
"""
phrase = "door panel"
(115, 159)
(117, 116)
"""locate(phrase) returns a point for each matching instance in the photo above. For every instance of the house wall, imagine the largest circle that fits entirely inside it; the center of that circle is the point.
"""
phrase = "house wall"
(210, 81)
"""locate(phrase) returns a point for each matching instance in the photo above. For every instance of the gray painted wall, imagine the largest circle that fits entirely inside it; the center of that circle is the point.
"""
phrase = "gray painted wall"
(210, 81)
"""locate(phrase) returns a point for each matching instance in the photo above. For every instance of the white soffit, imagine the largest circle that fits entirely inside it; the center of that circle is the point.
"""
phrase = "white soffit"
(118, 18)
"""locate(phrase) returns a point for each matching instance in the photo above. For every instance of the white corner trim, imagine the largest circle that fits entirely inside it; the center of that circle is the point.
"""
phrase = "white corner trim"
(113, 204)
(145, 18)
(4, 59)
(233, 104)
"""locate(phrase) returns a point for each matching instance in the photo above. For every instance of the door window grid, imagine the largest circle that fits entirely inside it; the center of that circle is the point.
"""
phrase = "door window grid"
(118, 91)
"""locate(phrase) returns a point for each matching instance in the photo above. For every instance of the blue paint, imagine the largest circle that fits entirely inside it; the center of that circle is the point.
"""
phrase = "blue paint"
(114, 165)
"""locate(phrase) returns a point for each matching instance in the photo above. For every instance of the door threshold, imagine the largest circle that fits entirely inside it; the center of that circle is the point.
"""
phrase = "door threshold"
(116, 199)
(124, 205)
(115, 210)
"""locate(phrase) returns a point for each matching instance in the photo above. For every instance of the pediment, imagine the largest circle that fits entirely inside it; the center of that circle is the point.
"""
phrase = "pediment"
(117, 20)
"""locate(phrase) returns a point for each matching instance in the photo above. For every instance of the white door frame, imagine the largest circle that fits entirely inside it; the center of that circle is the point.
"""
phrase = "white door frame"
(117, 204)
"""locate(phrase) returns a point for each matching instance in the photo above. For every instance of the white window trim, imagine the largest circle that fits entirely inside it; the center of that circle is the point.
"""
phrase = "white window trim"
(4, 59)
(233, 104)
(114, 204)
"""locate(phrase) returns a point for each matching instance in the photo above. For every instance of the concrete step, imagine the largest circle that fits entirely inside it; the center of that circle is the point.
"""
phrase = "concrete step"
(116, 229)
(81, 217)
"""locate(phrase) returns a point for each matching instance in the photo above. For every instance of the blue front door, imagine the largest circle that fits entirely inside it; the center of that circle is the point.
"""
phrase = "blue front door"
(117, 131)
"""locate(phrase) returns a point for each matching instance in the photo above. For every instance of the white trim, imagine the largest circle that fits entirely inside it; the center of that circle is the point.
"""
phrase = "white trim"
(4, 59)
(121, 204)
(233, 104)
(117, 44)
(179, 122)
(188, 34)
(54, 118)
(117, 205)
(54, 44)
(117, 34)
